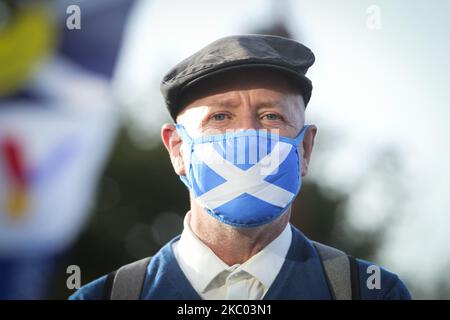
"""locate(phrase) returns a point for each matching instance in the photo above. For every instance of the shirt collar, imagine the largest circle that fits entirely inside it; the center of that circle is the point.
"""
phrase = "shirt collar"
(199, 259)
(267, 263)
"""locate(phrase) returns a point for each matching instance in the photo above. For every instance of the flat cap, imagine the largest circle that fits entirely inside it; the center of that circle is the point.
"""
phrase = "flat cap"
(237, 52)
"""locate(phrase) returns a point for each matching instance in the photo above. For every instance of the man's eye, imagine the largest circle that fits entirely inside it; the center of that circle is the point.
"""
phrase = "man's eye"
(271, 116)
(220, 117)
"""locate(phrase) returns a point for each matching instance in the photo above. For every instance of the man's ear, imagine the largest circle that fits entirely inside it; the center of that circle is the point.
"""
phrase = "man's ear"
(307, 147)
(172, 141)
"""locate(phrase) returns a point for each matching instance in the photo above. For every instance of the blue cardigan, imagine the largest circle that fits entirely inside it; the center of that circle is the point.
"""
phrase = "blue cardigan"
(301, 277)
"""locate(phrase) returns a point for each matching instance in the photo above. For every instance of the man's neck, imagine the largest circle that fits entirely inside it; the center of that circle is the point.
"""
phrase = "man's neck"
(234, 245)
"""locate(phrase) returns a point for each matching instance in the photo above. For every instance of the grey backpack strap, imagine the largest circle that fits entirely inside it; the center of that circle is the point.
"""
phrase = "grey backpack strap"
(337, 268)
(128, 281)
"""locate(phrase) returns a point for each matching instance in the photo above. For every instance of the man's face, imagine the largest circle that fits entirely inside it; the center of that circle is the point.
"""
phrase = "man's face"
(240, 100)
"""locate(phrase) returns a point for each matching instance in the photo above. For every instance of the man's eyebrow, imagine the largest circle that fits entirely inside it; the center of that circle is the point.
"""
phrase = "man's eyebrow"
(269, 103)
(222, 103)
(233, 103)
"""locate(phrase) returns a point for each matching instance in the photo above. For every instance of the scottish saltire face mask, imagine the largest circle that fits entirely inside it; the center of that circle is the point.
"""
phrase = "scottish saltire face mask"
(243, 178)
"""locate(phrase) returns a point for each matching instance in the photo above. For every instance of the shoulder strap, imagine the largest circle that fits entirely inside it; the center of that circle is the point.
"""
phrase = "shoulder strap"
(126, 283)
(341, 271)
(354, 275)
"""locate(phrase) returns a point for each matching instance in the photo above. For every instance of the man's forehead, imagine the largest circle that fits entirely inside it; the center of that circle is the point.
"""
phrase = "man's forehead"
(266, 86)
(260, 97)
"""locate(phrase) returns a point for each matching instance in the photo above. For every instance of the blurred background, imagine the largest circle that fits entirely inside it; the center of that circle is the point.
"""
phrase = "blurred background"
(85, 180)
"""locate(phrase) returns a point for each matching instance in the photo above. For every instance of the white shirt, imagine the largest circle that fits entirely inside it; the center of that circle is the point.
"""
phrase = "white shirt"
(213, 279)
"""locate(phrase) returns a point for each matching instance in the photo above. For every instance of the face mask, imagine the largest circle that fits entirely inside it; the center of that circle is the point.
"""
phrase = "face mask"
(246, 178)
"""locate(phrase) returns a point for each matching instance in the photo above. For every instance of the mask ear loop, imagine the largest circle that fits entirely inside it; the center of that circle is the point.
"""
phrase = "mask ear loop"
(299, 138)
(189, 141)
(183, 134)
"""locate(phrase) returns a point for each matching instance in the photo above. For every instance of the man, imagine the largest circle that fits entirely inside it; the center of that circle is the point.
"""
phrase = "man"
(241, 147)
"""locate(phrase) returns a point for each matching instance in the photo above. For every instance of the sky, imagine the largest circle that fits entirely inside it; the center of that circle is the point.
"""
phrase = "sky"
(380, 88)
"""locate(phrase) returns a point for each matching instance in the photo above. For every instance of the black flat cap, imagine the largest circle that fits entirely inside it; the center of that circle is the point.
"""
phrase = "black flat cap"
(237, 52)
